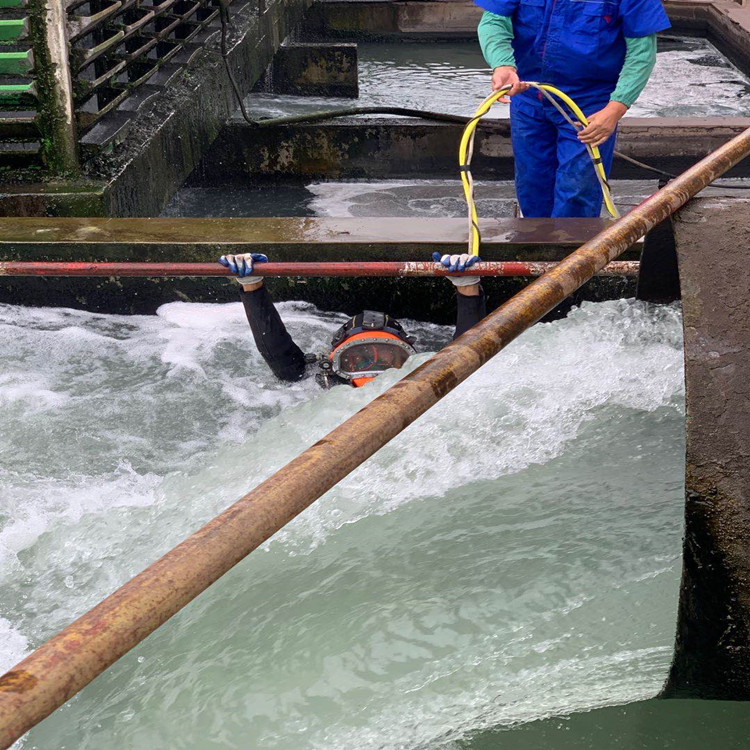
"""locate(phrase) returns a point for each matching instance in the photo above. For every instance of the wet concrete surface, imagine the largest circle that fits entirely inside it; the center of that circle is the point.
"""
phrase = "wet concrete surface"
(712, 656)
(285, 240)
(393, 149)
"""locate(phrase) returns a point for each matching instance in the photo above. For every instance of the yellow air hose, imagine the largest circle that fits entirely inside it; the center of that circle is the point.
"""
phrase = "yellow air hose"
(466, 150)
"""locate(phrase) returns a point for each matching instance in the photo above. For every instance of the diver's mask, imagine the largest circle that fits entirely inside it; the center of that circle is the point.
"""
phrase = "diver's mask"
(368, 344)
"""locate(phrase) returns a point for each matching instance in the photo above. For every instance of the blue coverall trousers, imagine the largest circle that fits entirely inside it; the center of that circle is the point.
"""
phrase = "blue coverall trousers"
(554, 173)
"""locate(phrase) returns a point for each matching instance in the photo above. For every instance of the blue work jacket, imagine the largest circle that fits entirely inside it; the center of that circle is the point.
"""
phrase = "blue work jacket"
(576, 45)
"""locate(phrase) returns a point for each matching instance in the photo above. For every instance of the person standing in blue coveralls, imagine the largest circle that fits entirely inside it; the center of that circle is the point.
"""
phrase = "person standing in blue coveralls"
(601, 54)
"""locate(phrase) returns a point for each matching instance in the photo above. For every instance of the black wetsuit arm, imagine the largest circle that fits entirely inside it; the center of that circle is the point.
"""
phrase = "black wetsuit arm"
(469, 311)
(283, 356)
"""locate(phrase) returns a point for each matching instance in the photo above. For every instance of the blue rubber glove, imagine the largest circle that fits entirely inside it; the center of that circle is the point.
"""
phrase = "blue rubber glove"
(458, 263)
(242, 265)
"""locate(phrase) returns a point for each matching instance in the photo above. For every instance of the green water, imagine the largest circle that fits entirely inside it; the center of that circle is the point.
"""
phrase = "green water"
(510, 560)
(682, 725)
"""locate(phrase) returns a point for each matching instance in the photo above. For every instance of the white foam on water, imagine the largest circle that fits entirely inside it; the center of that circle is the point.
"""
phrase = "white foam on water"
(381, 198)
(698, 82)
(15, 646)
(29, 389)
(540, 406)
(512, 555)
(424, 198)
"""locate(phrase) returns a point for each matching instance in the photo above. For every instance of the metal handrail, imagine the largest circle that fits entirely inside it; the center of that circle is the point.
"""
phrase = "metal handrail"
(339, 269)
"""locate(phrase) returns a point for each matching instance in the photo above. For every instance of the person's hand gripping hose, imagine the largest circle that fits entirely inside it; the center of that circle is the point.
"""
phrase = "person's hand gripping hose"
(242, 265)
(458, 263)
(602, 124)
(506, 76)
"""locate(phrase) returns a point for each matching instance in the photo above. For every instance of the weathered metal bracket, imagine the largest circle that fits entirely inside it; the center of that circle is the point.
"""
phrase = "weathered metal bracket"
(659, 278)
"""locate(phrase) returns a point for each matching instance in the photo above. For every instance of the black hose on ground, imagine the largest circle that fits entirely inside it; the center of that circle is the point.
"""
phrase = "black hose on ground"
(331, 114)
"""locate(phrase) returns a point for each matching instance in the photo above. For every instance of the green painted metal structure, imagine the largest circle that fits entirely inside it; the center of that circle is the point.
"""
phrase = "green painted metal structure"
(13, 29)
(20, 138)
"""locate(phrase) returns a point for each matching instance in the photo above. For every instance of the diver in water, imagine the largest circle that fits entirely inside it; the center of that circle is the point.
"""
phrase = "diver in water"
(366, 345)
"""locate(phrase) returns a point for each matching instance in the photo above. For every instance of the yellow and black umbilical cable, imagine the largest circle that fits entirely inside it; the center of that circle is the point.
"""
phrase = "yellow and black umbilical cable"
(466, 150)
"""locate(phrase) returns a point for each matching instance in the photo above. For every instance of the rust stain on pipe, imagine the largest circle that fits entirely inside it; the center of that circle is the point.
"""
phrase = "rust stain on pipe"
(70, 660)
(17, 681)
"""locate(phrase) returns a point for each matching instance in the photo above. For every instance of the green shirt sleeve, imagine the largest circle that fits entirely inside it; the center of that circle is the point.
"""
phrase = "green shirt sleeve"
(640, 58)
(495, 36)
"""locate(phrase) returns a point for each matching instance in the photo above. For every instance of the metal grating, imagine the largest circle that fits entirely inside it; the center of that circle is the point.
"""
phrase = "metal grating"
(119, 55)
(121, 51)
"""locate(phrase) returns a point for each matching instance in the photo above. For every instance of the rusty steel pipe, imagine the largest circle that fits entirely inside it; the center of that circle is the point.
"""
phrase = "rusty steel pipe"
(628, 268)
(70, 660)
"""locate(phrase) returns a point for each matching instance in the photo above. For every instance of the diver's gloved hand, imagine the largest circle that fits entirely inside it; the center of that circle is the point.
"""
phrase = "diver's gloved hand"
(242, 265)
(458, 263)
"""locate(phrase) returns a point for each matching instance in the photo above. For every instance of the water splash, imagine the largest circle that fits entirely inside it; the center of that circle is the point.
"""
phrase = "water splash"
(512, 555)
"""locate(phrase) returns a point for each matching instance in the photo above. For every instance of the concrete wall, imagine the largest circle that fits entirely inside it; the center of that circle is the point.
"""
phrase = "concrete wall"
(314, 70)
(415, 148)
(712, 655)
(444, 19)
(725, 22)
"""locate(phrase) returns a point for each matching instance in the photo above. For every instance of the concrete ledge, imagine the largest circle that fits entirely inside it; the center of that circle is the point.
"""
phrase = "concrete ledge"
(367, 19)
(52, 199)
(284, 240)
(315, 70)
(398, 148)
(724, 22)
(287, 238)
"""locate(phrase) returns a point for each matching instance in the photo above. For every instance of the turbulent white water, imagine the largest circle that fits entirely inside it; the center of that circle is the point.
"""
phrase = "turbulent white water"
(513, 555)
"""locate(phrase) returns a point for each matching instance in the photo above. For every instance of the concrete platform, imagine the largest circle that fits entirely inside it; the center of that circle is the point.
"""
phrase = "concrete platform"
(404, 148)
(287, 238)
(712, 655)
(284, 240)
